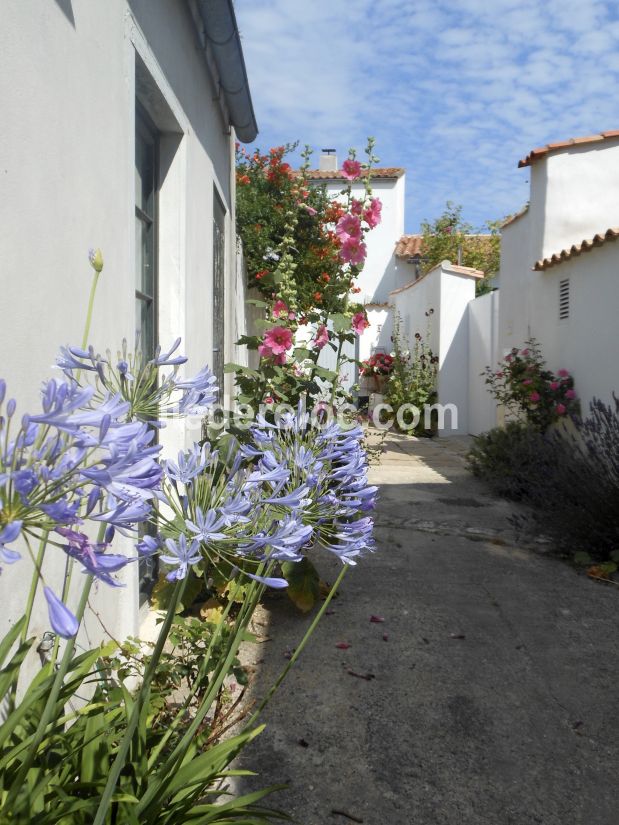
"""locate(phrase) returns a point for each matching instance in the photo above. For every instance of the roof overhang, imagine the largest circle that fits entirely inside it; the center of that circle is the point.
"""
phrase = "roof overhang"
(220, 40)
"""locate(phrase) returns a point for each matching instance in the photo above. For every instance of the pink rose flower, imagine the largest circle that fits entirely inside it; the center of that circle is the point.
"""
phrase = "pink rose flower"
(279, 308)
(554, 385)
(535, 397)
(351, 169)
(353, 252)
(571, 394)
(276, 341)
(348, 228)
(322, 337)
(372, 213)
(560, 409)
(359, 322)
(563, 374)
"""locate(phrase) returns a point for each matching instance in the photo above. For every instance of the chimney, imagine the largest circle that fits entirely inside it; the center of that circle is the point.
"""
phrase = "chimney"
(328, 161)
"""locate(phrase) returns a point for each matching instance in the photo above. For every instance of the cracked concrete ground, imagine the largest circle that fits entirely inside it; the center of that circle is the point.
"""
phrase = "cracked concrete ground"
(486, 697)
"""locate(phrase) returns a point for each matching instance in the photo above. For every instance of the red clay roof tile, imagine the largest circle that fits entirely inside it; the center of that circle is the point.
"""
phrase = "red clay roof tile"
(576, 249)
(386, 172)
(534, 154)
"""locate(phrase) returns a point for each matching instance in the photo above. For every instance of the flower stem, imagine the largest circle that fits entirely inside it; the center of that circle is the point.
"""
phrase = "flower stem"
(91, 302)
(299, 649)
(125, 743)
(34, 583)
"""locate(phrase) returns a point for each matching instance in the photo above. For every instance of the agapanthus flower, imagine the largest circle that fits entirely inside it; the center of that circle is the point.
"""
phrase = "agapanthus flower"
(181, 556)
(207, 526)
(61, 619)
(165, 359)
(8, 535)
(189, 465)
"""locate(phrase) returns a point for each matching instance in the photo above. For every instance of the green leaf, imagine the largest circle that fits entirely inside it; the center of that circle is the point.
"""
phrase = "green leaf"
(11, 637)
(303, 583)
(582, 558)
(256, 302)
(323, 372)
(341, 322)
(163, 590)
(300, 353)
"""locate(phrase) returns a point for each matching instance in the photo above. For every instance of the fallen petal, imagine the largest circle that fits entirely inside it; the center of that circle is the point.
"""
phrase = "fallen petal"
(377, 619)
(342, 645)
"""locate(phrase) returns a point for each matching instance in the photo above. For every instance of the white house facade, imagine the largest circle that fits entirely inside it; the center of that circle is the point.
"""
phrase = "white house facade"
(118, 132)
(560, 262)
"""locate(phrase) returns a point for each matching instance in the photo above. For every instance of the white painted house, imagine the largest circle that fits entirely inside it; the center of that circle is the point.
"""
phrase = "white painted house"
(118, 127)
(560, 263)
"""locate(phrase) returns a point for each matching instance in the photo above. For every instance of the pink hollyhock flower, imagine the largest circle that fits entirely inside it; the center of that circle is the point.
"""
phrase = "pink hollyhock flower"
(525, 352)
(560, 409)
(268, 400)
(563, 374)
(535, 397)
(351, 169)
(279, 308)
(359, 322)
(499, 374)
(353, 252)
(277, 340)
(508, 358)
(310, 210)
(322, 337)
(554, 385)
(571, 394)
(356, 207)
(348, 228)
(280, 359)
(372, 213)
(527, 381)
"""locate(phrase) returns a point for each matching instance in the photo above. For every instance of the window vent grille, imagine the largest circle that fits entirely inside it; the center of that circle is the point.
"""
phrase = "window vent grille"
(564, 299)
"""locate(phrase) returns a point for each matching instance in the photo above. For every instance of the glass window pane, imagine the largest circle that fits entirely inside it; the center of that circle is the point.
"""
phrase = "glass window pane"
(144, 172)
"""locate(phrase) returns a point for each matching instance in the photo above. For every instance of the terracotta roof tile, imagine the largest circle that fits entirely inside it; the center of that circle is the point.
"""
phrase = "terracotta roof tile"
(408, 245)
(515, 217)
(534, 154)
(386, 172)
(576, 249)
(466, 270)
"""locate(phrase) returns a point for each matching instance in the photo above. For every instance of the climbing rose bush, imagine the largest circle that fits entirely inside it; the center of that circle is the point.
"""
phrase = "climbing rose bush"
(523, 384)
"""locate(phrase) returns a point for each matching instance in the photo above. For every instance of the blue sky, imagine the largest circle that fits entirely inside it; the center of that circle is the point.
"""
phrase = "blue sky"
(455, 91)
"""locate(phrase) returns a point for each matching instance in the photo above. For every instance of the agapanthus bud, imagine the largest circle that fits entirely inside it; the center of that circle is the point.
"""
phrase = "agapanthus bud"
(96, 259)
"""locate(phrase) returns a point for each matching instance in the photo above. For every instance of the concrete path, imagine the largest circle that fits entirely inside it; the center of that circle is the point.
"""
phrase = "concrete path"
(486, 697)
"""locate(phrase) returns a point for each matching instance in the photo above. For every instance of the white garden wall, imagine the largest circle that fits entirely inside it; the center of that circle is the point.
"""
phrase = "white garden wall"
(483, 325)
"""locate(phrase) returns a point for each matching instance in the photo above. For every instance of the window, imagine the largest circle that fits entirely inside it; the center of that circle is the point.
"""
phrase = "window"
(219, 279)
(564, 299)
(146, 159)
(146, 162)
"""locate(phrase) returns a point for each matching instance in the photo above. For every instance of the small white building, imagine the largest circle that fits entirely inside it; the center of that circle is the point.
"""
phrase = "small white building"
(560, 263)
(118, 127)
(436, 306)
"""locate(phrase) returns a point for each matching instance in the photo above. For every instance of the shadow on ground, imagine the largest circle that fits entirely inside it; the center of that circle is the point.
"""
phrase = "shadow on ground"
(484, 698)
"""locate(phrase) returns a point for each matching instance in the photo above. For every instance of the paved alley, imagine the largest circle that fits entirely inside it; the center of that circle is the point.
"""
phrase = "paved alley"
(485, 697)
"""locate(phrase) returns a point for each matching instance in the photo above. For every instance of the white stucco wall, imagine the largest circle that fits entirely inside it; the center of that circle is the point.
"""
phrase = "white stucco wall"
(585, 343)
(483, 323)
(67, 183)
(436, 307)
(380, 274)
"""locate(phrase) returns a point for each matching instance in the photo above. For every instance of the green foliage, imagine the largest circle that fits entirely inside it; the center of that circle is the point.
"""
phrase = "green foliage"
(303, 583)
(449, 238)
(526, 388)
(177, 767)
(413, 374)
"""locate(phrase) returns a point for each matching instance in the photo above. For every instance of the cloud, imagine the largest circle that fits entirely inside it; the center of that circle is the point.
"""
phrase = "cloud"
(456, 91)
